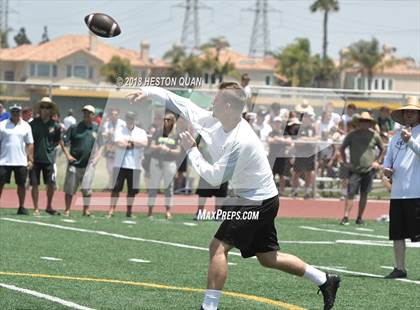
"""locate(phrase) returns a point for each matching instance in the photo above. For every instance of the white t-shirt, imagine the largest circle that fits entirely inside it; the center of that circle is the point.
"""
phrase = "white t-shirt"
(404, 159)
(129, 158)
(13, 140)
(69, 121)
(238, 155)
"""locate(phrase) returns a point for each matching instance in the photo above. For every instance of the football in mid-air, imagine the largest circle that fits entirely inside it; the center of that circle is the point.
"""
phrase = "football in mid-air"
(102, 25)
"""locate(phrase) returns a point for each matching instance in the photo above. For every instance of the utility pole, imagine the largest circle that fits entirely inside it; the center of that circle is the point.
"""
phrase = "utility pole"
(190, 37)
(260, 37)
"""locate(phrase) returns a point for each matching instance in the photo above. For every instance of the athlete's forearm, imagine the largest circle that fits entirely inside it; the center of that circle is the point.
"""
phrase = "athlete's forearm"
(180, 105)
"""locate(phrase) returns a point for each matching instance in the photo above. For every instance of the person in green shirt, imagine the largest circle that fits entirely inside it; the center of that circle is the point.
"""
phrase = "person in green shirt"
(82, 139)
(47, 137)
(363, 164)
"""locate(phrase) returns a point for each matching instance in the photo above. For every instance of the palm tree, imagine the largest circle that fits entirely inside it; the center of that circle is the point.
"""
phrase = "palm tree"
(325, 6)
(367, 58)
(176, 55)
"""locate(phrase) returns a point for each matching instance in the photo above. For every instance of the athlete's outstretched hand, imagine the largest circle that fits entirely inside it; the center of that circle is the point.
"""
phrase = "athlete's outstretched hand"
(136, 96)
(187, 140)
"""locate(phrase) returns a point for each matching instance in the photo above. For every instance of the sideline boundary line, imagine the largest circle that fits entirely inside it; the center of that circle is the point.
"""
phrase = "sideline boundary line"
(264, 300)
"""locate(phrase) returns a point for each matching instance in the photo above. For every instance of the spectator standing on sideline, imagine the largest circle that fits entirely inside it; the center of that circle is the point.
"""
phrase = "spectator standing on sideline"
(129, 141)
(69, 120)
(108, 136)
(304, 154)
(402, 164)
(27, 114)
(3, 113)
(263, 127)
(304, 107)
(279, 144)
(47, 136)
(363, 164)
(347, 117)
(16, 153)
(245, 79)
(83, 146)
(385, 122)
(166, 150)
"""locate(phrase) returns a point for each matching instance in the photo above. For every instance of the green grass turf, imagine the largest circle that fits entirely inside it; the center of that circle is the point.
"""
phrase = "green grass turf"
(99, 256)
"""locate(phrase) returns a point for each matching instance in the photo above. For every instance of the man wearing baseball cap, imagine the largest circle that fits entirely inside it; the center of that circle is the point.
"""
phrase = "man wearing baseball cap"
(82, 141)
(47, 136)
(16, 153)
(402, 164)
(363, 163)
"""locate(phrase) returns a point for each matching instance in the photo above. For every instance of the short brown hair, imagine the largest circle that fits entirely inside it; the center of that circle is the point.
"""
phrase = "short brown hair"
(233, 93)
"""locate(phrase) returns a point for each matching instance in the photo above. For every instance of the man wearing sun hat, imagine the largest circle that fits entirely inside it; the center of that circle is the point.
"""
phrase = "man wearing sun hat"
(364, 161)
(402, 164)
(16, 153)
(47, 136)
(82, 141)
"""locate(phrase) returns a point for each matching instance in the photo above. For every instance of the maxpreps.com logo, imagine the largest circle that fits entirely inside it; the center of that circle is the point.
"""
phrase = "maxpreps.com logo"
(221, 215)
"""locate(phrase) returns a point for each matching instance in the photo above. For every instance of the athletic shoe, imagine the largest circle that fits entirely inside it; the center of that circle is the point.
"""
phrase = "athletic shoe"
(344, 221)
(359, 221)
(329, 290)
(397, 274)
(201, 308)
(22, 211)
(52, 212)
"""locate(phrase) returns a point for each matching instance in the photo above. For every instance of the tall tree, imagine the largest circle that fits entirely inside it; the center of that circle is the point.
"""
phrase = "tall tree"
(176, 56)
(367, 57)
(3, 39)
(325, 6)
(21, 37)
(116, 67)
(324, 71)
(296, 63)
(218, 43)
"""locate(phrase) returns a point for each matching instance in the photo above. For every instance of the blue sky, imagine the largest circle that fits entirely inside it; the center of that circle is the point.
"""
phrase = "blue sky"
(395, 23)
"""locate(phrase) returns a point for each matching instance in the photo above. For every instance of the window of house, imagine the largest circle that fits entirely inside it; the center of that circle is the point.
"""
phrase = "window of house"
(68, 71)
(43, 70)
(32, 70)
(79, 71)
(54, 70)
(9, 75)
(267, 80)
(90, 72)
(206, 78)
(390, 84)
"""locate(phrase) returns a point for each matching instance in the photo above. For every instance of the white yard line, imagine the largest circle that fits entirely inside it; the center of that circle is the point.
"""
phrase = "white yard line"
(344, 232)
(409, 244)
(104, 233)
(387, 267)
(51, 258)
(45, 296)
(364, 274)
(138, 260)
(68, 220)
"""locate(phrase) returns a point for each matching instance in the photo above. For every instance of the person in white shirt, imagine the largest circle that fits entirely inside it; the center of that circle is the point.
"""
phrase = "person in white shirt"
(248, 92)
(402, 165)
(16, 153)
(108, 135)
(165, 152)
(264, 128)
(69, 120)
(130, 141)
(239, 157)
(347, 117)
